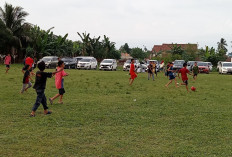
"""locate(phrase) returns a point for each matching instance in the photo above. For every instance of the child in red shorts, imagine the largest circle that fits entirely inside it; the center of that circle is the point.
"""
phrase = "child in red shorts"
(184, 71)
(132, 72)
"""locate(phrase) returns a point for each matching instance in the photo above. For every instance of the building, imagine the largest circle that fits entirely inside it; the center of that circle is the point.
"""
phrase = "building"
(165, 48)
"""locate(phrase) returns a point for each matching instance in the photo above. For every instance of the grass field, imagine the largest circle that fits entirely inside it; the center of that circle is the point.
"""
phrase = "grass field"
(103, 116)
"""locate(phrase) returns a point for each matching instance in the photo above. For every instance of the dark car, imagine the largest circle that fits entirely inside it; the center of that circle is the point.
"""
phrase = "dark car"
(50, 61)
(70, 63)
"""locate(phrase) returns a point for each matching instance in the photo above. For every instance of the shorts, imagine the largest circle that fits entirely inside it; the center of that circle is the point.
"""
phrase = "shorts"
(61, 91)
(186, 82)
(171, 77)
(7, 65)
(194, 75)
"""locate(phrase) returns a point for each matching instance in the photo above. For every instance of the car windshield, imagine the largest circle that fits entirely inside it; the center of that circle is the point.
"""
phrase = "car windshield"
(179, 62)
(46, 59)
(85, 60)
(210, 63)
(107, 61)
(227, 64)
(202, 64)
(128, 61)
(66, 59)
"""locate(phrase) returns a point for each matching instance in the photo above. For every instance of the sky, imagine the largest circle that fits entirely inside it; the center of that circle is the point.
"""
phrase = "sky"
(140, 23)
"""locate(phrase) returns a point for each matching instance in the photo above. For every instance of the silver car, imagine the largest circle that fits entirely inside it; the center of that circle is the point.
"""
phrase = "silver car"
(50, 61)
(87, 63)
(126, 66)
(108, 64)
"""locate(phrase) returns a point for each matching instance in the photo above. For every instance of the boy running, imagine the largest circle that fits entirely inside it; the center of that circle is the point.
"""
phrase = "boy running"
(184, 71)
(26, 83)
(39, 86)
(171, 75)
(7, 62)
(59, 81)
(195, 71)
(132, 72)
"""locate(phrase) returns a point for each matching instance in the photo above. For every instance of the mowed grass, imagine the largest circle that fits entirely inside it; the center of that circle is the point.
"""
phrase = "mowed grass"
(103, 116)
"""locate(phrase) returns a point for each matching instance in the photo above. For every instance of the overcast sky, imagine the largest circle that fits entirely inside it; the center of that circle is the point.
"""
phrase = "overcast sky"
(136, 22)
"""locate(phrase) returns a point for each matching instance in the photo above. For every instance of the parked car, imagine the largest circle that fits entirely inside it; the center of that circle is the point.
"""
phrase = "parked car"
(126, 66)
(225, 67)
(70, 63)
(77, 59)
(50, 61)
(203, 67)
(157, 64)
(178, 64)
(87, 63)
(210, 65)
(143, 66)
(108, 64)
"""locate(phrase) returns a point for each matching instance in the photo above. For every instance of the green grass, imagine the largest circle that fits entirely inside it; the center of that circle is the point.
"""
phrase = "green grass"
(100, 116)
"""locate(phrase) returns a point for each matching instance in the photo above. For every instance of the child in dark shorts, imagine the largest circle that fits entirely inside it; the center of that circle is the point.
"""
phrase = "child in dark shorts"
(26, 82)
(184, 71)
(39, 86)
(171, 75)
(59, 81)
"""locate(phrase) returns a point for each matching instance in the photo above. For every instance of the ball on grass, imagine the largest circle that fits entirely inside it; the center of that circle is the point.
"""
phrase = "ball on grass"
(193, 88)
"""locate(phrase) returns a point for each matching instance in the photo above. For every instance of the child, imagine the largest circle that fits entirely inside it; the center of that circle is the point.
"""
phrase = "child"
(184, 71)
(7, 62)
(26, 78)
(150, 71)
(195, 71)
(59, 81)
(154, 68)
(171, 75)
(39, 86)
(132, 72)
(167, 73)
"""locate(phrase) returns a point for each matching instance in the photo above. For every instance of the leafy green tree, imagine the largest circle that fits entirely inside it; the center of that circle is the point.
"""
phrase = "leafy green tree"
(138, 53)
(176, 50)
(125, 48)
(6, 38)
(222, 50)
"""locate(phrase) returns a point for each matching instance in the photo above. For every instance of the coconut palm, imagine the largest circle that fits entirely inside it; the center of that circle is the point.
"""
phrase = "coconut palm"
(222, 46)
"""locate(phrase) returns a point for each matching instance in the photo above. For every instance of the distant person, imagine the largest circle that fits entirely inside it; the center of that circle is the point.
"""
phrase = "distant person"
(161, 65)
(26, 79)
(132, 72)
(29, 61)
(7, 62)
(195, 71)
(154, 68)
(39, 86)
(171, 75)
(150, 71)
(167, 67)
(184, 71)
(59, 81)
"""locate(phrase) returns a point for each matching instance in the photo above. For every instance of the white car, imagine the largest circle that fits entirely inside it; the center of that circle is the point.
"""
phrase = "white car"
(87, 63)
(108, 64)
(156, 62)
(126, 66)
(225, 67)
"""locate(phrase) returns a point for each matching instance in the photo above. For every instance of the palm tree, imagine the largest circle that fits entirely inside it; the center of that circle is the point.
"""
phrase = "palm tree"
(14, 20)
(222, 46)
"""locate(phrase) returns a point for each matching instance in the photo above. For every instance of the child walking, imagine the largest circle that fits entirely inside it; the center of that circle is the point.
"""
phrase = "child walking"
(171, 75)
(150, 71)
(59, 81)
(184, 71)
(132, 72)
(7, 62)
(39, 86)
(26, 83)
(195, 71)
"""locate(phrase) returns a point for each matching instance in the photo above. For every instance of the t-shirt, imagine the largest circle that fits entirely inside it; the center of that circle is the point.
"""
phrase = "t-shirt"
(184, 72)
(170, 73)
(7, 60)
(29, 61)
(59, 77)
(195, 69)
(41, 79)
(26, 77)
(150, 67)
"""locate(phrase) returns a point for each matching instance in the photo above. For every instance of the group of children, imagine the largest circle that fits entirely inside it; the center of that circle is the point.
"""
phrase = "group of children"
(170, 73)
(40, 84)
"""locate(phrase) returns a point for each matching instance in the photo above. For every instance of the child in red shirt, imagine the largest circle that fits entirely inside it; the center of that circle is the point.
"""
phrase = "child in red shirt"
(59, 81)
(184, 71)
(132, 72)
(7, 62)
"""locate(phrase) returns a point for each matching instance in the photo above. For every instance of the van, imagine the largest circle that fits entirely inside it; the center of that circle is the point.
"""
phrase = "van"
(225, 67)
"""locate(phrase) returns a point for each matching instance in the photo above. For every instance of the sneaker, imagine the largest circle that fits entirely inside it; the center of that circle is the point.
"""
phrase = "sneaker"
(51, 101)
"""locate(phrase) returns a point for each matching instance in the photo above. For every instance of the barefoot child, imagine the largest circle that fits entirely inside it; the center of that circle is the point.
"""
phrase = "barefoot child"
(7, 62)
(39, 86)
(59, 81)
(195, 71)
(184, 71)
(26, 82)
(171, 75)
(132, 72)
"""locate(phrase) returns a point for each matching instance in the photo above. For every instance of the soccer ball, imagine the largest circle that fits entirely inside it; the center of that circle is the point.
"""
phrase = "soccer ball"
(193, 88)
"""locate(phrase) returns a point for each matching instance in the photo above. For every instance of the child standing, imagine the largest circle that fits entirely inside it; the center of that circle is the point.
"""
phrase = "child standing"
(7, 62)
(171, 75)
(59, 81)
(39, 86)
(26, 83)
(150, 71)
(184, 71)
(195, 71)
(132, 72)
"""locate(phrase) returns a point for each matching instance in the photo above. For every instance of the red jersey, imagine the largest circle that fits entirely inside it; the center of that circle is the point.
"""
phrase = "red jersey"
(132, 71)
(29, 61)
(184, 72)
